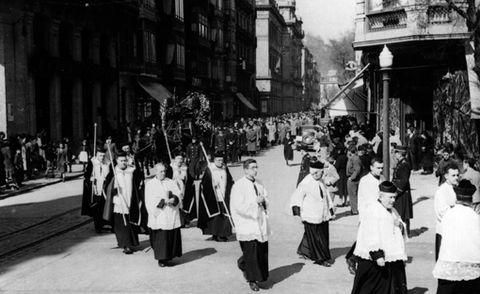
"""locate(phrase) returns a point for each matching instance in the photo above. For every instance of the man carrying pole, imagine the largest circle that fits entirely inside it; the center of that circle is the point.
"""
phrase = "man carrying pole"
(123, 203)
(214, 217)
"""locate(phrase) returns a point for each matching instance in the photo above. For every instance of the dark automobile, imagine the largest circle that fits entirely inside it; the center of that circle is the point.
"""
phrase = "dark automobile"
(307, 137)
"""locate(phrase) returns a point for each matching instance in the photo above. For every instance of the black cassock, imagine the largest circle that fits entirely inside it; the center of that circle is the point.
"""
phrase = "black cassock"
(401, 179)
(127, 233)
(371, 278)
(92, 205)
(212, 217)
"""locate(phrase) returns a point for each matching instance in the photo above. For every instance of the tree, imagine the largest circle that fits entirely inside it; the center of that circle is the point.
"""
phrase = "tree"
(472, 20)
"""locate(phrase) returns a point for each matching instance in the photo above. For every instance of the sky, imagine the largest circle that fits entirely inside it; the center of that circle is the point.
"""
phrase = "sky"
(326, 18)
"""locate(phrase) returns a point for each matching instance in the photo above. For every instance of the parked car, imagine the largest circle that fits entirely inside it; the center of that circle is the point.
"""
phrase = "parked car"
(307, 137)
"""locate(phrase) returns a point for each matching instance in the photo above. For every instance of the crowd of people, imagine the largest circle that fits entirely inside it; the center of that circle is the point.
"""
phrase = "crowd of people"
(192, 187)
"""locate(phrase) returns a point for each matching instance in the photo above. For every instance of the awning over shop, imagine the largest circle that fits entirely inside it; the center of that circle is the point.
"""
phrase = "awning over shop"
(154, 89)
(351, 84)
(245, 101)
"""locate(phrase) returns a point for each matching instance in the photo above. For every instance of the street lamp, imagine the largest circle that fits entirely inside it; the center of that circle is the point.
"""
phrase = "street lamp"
(386, 60)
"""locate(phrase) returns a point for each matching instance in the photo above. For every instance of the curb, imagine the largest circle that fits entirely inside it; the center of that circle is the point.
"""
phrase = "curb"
(22, 191)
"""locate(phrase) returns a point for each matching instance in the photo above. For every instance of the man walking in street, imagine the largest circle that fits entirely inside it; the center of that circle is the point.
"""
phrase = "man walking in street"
(381, 247)
(123, 203)
(312, 202)
(458, 265)
(214, 218)
(368, 185)
(444, 200)
(354, 171)
(162, 200)
(248, 206)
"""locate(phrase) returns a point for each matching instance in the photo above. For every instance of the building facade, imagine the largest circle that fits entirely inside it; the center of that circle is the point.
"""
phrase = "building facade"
(427, 40)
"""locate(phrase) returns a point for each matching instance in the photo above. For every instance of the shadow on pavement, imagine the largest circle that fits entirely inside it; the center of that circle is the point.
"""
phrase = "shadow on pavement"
(282, 273)
(337, 252)
(195, 255)
(420, 199)
(417, 290)
(417, 232)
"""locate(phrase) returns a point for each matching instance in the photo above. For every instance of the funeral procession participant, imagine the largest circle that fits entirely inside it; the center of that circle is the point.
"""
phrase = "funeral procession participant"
(163, 200)
(381, 247)
(123, 203)
(444, 199)
(304, 164)
(93, 201)
(368, 185)
(312, 202)
(458, 265)
(248, 205)
(368, 191)
(354, 171)
(401, 179)
(214, 217)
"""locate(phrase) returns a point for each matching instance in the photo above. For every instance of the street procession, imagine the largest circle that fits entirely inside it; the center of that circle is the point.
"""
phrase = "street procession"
(238, 146)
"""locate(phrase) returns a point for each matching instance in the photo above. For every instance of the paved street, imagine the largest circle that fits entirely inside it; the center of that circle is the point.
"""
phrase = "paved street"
(83, 262)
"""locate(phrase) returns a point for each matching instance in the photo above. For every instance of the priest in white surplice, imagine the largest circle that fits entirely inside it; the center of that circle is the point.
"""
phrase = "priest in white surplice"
(381, 247)
(458, 265)
(162, 200)
(248, 206)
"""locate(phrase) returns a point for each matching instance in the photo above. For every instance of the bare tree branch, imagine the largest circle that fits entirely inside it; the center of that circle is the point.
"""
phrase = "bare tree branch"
(457, 9)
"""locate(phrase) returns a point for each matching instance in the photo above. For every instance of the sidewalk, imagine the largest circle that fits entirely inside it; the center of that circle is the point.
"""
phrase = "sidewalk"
(42, 181)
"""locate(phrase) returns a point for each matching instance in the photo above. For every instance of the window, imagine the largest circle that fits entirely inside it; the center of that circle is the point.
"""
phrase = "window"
(149, 47)
(377, 5)
(180, 55)
(179, 9)
(202, 26)
(149, 3)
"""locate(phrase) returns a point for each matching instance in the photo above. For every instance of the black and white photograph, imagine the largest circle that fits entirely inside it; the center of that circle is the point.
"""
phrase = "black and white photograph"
(240, 146)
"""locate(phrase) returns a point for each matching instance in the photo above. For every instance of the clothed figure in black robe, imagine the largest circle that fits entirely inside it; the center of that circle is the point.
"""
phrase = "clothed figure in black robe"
(304, 165)
(401, 179)
(123, 204)
(93, 200)
(216, 186)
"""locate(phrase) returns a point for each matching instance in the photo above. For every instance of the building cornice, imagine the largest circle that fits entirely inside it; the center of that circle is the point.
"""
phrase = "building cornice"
(358, 45)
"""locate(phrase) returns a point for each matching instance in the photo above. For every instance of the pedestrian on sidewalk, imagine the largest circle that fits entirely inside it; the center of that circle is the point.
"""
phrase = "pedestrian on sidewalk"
(163, 201)
(62, 159)
(444, 199)
(311, 201)
(446, 160)
(458, 265)
(381, 247)
(123, 203)
(401, 179)
(84, 154)
(249, 203)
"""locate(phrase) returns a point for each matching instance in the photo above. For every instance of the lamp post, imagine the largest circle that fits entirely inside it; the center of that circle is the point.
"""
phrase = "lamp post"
(386, 60)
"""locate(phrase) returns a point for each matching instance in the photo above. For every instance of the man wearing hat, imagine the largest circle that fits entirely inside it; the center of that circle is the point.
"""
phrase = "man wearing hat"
(444, 200)
(213, 214)
(312, 202)
(93, 200)
(458, 265)
(401, 179)
(381, 247)
(123, 204)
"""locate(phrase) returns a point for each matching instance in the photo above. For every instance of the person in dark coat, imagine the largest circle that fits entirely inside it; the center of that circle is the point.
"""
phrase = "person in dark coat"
(304, 165)
(341, 160)
(428, 144)
(401, 179)
(232, 145)
(287, 147)
(194, 157)
(123, 203)
(214, 218)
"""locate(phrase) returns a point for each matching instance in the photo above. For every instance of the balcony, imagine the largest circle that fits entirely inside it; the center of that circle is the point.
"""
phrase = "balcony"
(420, 21)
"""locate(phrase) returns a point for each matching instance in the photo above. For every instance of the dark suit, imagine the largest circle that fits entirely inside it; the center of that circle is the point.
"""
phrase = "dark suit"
(403, 203)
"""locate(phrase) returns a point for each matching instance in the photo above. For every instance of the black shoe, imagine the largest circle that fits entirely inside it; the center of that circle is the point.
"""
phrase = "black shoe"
(127, 250)
(254, 286)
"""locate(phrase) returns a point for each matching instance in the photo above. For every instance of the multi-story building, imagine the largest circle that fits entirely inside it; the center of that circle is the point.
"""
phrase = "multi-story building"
(427, 40)
(292, 61)
(279, 57)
